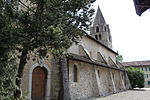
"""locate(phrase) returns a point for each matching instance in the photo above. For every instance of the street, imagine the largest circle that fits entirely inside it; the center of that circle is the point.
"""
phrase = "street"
(136, 94)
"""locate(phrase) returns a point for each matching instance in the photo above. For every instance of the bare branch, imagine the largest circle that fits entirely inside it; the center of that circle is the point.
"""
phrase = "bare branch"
(26, 6)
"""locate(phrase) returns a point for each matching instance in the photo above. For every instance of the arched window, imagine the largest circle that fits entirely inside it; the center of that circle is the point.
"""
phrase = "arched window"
(105, 28)
(98, 73)
(113, 75)
(110, 38)
(75, 73)
(90, 53)
(96, 37)
(97, 29)
(100, 36)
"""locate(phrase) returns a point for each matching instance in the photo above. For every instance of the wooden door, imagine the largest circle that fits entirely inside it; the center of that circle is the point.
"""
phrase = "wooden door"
(38, 83)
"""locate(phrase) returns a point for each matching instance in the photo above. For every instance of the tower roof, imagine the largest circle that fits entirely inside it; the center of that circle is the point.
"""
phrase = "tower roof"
(99, 19)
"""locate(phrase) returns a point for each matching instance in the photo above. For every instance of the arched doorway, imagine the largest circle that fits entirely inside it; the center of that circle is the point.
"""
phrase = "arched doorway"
(39, 78)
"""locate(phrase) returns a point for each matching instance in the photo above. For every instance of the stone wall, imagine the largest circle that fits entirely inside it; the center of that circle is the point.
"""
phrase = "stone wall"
(87, 86)
(54, 76)
(104, 79)
(116, 79)
(83, 87)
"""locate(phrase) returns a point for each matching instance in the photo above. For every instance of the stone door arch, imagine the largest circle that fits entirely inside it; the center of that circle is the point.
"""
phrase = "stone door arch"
(45, 82)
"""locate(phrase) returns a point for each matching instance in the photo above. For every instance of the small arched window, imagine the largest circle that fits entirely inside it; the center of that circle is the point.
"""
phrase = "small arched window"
(98, 73)
(75, 73)
(113, 75)
(97, 29)
(105, 28)
(100, 36)
(96, 37)
(90, 53)
(110, 38)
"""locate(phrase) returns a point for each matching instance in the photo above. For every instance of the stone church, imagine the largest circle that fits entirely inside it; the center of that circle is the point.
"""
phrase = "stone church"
(91, 67)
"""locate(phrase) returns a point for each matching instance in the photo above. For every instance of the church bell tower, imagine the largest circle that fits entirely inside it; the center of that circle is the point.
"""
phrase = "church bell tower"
(100, 30)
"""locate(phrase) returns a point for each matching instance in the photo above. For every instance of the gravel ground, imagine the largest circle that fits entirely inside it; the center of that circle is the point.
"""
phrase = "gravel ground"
(136, 94)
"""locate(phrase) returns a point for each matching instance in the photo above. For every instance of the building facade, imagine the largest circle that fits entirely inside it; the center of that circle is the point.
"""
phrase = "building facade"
(142, 65)
(91, 69)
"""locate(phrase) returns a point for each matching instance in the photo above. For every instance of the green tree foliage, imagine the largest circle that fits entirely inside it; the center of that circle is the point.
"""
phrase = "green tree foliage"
(119, 57)
(7, 57)
(8, 75)
(136, 77)
(44, 25)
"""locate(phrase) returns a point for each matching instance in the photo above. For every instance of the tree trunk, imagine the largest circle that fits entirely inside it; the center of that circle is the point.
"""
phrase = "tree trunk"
(65, 91)
(22, 63)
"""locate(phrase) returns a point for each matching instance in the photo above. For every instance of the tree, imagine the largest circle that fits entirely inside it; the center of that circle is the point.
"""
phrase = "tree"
(47, 25)
(119, 57)
(8, 75)
(7, 58)
(136, 77)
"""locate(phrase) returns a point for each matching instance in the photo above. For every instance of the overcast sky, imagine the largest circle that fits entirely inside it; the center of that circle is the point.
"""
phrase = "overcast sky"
(130, 32)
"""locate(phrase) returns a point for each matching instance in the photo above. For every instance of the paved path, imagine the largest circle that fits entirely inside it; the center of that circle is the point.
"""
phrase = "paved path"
(136, 94)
